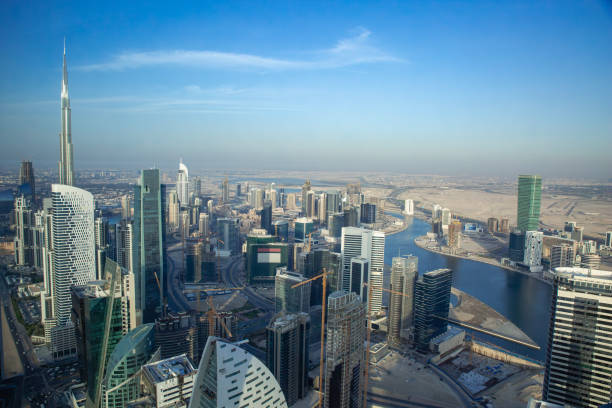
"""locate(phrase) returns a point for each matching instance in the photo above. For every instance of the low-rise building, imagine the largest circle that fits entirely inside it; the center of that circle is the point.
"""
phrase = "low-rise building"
(169, 381)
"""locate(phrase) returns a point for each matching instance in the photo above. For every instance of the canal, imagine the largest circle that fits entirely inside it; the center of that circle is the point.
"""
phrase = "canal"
(523, 300)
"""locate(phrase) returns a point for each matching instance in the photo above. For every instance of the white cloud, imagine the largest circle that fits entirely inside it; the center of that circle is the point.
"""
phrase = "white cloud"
(349, 51)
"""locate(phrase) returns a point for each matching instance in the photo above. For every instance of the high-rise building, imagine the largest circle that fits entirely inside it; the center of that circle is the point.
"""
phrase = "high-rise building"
(174, 208)
(101, 237)
(562, 256)
(225, 191)
(175, 334)
(351, 217)
(504, 226)
(533, 249)
(304, 199)
(577, 234)
(123, 246)
(203, 224)
(66, 163)
(335, 224)
(409, 207)
(404, 272)
(529, 197)
(90, 305)
(312, 263)
(334, 202)
(454, 234)
(148, 246)
(287, 353)
(493, 225)
(303, 227)
(368, 213)
(446, 216)
(344, 351)
(436, 212)
(121, 383)
(24, 251)
(280, 229)
(26, 177)
(182, 184)
(310, 204)
(431, 301)
(73, 260)
(291, 203)
(229, 232)
(126, 207)
(609, 239)
(288, 299)
(516, 249)
(360, 272)
(266, 217)
(184, 224)
(204, 329)
(577, 361)
(263, 256)
(169, 381)
(370, 245)
(228, 375)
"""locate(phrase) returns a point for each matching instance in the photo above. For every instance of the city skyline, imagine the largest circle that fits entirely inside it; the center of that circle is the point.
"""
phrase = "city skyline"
(220, 87)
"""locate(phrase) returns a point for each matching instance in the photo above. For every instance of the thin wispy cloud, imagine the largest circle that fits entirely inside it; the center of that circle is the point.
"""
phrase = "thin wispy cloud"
(354, 50)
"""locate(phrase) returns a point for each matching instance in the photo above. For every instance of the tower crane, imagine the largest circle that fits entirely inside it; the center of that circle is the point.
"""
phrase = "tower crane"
(323, 277)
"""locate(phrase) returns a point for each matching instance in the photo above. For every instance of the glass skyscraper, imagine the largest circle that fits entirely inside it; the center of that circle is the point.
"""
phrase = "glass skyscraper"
(529, 197)
(431, 300)
(148, 246)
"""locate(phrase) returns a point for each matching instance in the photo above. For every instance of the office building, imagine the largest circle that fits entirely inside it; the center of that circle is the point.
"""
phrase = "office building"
(266, 217)
(504, 226)
(121, 383)
(73, 261)
(311, 199)
(409, 207)
(280, 229)
(291, 202)
(182, 184)
(66, 163)
(225, 191)
(404, 273)
(148, 246)
(24, 251)
(578, 354)
(351, 217)
(436, 212)
(215, 327)
(368, 213)
(454, 234)
(360, 271)
(562, 256)
(174, 208)
(228, 376)
(335, 223)
(175, 333)
(238, 190)
(334, 202)
(431, 301)
(26, 177)
(287, 353)
(533, 249)
(516, 249)
(101, 237)
(126, 207)
(492, 225)
(229, 233)
(578, 234)
(123, 244)
(303, 228)
(263, 255)
(608, 242)
(304, 199)
(529, 197)
(370, 245)
(90, 305)
(446, 217)
(343, 382)
(184, 225)
(170, 381)
(312, 263)
(287, 299)
(203, 225)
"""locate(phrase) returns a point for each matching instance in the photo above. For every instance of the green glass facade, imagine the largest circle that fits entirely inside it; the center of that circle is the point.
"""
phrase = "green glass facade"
(529, 198)
(263, 256)
(121, 382)
(148, 246)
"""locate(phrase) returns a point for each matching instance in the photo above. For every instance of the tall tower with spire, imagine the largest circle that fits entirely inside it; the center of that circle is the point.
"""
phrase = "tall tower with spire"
(65, 164)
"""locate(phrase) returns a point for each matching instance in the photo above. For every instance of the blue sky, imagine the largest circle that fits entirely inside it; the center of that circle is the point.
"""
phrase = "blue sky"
(473, 87)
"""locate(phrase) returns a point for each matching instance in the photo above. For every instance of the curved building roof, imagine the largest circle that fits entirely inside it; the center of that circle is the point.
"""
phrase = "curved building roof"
(129, 342)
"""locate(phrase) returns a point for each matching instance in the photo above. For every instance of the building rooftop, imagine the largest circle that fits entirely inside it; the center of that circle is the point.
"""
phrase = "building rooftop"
(282, 271)
(93, 289)
(576, 272)
(450, 332)
(437, 272)
(169, 368)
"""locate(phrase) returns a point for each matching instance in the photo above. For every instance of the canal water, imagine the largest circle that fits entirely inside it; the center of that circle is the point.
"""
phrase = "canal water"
(523, 300)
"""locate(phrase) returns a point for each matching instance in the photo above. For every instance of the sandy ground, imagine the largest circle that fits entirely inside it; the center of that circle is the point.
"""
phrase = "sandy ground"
(403, 378)
(10, 355)
(472, 311)
(593, 213)
(516, 390)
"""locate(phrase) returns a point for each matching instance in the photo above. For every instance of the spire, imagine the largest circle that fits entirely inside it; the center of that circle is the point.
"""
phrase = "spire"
(65, 75)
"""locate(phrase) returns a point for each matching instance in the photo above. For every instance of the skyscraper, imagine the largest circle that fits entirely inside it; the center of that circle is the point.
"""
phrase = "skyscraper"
(579, 349)
(73, 257)
(288, 299)
(176, 334)
(431, 300)
(182, 184)
(24, 254)
(26, 176)
(609, 239)
(228, 375)
(287, 353)
(529, 197)
(409, 207)
(66, 163)
(225, 191)
(404, 272)
(305, 189)
(370, 245)
(203, 224)
(126, 207)
(533, 249)
(148, 246)
(454, 234)
(343, 385)
(123, 237)
(174, 208)
(266, 217)
(562, 255)
(229, 232)
(360, 271)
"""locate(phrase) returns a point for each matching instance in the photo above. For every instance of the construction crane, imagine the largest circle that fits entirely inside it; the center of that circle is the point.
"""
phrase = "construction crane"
(199, 290)
(309, 240)
(323, 277)
(210, 315)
